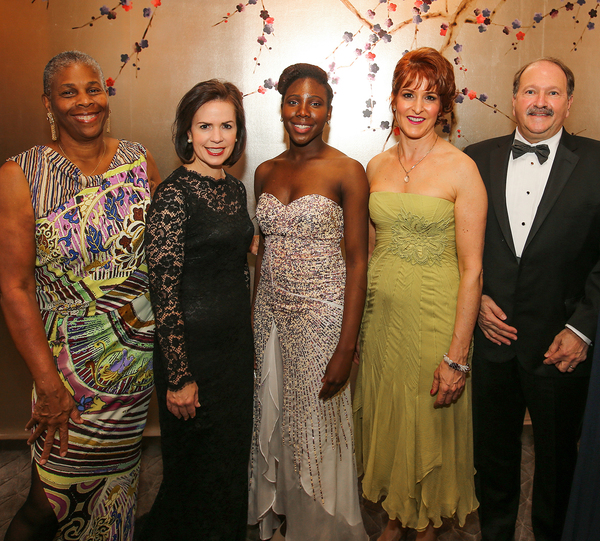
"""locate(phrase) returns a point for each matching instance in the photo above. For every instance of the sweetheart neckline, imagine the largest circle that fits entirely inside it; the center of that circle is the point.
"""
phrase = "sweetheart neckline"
(299, 198)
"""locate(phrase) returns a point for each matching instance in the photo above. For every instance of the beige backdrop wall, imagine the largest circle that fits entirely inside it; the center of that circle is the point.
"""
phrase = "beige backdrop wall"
(357, 41)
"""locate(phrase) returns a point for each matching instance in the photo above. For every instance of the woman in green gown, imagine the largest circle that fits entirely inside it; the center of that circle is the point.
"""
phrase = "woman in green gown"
(412, 405)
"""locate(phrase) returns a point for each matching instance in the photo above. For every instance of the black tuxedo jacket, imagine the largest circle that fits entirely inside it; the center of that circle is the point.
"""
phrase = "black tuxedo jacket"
(557, 280)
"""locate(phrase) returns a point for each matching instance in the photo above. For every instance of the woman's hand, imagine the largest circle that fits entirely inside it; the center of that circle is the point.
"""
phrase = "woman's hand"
(54, 407)
(336, 374)
(448, 384)
(183, 403)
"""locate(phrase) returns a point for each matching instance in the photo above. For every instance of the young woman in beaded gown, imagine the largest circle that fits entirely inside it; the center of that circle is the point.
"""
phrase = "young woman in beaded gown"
(307, 312)
(199, 233)
(413, 408)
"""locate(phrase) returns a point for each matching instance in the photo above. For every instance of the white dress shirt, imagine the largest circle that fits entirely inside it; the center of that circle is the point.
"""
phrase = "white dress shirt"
(526, 180)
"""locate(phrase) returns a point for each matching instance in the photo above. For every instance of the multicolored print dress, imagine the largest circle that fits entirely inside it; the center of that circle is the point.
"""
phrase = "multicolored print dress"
(92, 289)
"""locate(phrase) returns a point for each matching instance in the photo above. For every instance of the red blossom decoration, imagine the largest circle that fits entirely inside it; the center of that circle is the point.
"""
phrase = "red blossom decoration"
(110, 82)
(261, 90)
(269, 20)
(554, 13)
(396, 130)
(520, 36)
(155, 3)
(392, 7)
(126, 7)
(370, 56)
(472, 94)
(480, 19)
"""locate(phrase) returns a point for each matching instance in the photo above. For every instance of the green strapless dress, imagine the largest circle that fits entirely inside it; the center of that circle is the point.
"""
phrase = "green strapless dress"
(417, 457)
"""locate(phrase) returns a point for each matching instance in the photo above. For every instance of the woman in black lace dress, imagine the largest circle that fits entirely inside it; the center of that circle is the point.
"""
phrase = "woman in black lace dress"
(198, 236)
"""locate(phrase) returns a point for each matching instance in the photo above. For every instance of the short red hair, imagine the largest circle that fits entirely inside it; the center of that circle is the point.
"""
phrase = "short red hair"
(427, 64)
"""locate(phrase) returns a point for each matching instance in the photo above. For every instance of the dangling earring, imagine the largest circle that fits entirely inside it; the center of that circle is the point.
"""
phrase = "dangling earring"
(108, 122)
(53, 127)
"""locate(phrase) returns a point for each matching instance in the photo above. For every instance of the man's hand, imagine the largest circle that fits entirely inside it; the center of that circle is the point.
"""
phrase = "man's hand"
(566, 351)
(491, 322)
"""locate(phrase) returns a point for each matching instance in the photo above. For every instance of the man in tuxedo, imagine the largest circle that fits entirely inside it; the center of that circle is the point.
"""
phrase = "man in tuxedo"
(540, 302)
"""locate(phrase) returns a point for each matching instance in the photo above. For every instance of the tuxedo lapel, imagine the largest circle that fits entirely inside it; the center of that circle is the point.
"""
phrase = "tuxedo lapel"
(563, 166)
(498, 168)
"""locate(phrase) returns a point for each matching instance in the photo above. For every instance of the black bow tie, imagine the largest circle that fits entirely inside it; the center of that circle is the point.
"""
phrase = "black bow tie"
(541, 151)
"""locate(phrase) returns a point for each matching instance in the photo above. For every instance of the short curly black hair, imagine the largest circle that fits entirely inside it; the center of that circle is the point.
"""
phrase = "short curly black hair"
(195, 98)
(304, 71)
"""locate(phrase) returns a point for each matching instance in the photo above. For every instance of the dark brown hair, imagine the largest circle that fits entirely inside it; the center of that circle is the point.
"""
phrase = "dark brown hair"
(195, 98)
(304, 71)
(568, 74)
(426, 64)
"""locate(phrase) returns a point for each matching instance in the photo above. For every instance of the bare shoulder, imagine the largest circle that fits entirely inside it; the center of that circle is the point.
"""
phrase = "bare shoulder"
(349, 165)
(380, 163)
(456, 163)
(263, 172)
(15, 195)
(12, 177)
(265, 168)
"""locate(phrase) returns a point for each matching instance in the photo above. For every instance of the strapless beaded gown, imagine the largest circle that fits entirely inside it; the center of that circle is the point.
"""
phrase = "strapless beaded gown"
(418, 457)
(302, 462)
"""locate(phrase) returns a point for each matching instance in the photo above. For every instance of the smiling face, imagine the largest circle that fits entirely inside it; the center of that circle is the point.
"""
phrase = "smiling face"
(416, 109)
(213, 133)
(541, 104)
(78, 102)
(305, 111)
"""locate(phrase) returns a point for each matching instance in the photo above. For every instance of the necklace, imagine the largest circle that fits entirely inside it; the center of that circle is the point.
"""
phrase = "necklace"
(406, 178)
(99, 161)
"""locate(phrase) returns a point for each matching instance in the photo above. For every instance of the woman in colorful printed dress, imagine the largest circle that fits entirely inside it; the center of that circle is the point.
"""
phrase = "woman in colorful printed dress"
(75, 297)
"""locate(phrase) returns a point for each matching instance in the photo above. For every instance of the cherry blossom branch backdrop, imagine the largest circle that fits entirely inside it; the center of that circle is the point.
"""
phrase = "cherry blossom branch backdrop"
(153, 51)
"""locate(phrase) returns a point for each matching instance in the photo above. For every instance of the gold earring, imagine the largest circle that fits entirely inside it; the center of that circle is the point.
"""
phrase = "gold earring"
(53, 126)
(108, 122)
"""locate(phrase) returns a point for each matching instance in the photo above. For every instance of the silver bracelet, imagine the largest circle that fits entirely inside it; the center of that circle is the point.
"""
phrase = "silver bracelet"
(464, 368)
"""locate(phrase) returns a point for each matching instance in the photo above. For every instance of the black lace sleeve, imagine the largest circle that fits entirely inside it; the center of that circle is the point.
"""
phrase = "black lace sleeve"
(165, 236)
